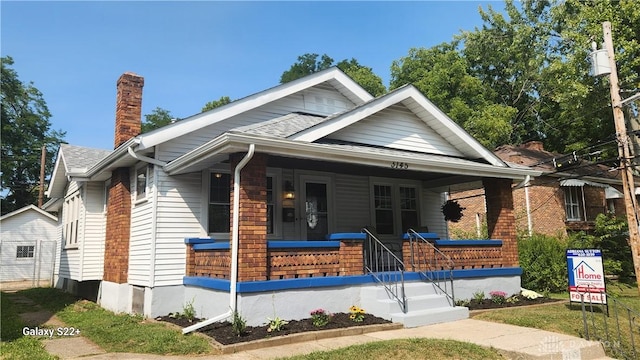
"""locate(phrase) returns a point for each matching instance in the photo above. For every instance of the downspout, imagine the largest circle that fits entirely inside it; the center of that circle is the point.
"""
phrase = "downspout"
(525, 184)
(235, 235)
(145, 158)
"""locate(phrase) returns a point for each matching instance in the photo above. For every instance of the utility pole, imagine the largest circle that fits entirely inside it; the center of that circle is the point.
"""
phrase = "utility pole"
(624, 153)
(43, 157)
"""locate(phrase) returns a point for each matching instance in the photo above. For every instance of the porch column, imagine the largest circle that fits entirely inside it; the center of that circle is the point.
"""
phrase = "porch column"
(252, 239)
(501, 221)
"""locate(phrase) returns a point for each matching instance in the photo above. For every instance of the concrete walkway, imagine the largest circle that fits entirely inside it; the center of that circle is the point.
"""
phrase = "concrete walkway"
(513, 342)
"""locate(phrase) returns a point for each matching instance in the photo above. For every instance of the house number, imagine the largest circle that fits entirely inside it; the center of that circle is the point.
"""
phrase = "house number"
(399, 165)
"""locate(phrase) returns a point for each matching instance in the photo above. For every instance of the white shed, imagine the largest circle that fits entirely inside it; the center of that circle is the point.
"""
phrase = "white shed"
(27, 248)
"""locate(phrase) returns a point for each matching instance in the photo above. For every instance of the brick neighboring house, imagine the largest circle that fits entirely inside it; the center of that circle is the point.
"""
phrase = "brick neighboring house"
(555, 203)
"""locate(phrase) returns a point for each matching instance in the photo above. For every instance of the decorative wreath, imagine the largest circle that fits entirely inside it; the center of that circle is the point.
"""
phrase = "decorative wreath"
(452, 211)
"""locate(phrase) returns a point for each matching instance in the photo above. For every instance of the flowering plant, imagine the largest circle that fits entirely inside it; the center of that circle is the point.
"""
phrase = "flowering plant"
(356, 313)
(498, 297)
(320, 317)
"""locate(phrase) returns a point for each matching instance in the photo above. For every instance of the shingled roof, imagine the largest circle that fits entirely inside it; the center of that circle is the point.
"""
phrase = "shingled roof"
(80, 157)
(534, 155)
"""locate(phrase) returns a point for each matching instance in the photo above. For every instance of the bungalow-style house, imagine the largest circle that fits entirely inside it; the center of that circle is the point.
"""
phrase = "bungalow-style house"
(311, 194)
(28, 238)
(567, 197)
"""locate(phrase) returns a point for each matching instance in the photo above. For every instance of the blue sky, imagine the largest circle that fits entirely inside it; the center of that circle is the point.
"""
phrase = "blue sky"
(192, 52)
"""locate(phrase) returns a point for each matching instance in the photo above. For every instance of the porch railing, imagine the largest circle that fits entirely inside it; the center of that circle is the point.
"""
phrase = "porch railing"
(615, 325)
(386, 267)
(431, 263)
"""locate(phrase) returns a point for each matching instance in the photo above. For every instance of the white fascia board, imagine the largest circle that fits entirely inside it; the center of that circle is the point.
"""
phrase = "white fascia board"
(120, 153)
(385, 101)
(55, 175)
(456, 129)
(238, 142)
(201, 120)
(350, 117)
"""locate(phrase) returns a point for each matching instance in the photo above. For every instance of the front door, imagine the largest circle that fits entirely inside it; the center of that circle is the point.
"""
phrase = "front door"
(316, 207)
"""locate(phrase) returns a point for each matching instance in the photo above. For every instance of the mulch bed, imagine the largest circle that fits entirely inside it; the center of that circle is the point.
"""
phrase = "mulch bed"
(223, 333)
(522, 301)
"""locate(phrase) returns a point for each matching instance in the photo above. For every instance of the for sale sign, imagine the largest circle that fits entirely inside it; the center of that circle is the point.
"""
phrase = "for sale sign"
(586, 275)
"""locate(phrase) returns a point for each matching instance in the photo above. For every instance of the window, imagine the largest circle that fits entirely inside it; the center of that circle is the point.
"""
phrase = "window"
(572, 200)
(219, 206)
(220, 203)
(270, 206)
(71, 212)
(408, 208)
(25, 251)
(383, 203)
(395, 208)
(144, 178)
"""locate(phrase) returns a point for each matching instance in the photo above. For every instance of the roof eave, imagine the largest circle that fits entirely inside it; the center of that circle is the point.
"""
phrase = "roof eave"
(232, 142)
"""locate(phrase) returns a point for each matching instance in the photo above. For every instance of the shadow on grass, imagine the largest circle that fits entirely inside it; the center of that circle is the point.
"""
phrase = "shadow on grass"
(35, 301)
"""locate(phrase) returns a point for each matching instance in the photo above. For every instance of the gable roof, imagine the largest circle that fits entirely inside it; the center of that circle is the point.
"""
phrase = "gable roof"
(29, 208)
(71, 160)
(425, 110)
(334, 76)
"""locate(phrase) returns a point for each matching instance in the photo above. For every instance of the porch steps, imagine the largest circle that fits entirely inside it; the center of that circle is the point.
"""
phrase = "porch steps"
(425, 305)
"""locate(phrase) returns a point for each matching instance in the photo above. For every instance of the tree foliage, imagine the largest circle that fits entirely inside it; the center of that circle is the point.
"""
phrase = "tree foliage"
(444, 76)
(224, 100)
(158, 118)
(524, 75)
(309, 63)
(25, 129)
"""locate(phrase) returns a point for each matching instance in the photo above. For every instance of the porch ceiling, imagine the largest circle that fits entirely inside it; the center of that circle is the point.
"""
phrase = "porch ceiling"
(391, 161)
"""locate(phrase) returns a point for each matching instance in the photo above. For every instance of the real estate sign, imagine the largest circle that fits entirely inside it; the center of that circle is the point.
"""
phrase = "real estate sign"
(586, 275)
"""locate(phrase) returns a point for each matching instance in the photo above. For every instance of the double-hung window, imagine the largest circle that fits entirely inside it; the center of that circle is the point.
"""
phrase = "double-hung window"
(220, 203)
(572, 201)
(395, 207)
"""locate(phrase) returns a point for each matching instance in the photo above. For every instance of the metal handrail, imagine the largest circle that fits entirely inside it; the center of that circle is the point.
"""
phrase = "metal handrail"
(385, 267)
(432, 263)
(621, 341)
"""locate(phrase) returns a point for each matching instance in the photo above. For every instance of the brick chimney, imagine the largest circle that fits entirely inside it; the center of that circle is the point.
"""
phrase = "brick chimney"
(118, 228)
(533, 145)
(128, 107)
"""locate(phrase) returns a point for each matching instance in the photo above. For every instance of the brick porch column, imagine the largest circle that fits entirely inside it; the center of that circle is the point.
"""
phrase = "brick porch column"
(252, 248)
(501, 221)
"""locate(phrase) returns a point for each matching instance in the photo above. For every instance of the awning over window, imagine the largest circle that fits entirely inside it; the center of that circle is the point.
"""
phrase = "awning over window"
(609, 191)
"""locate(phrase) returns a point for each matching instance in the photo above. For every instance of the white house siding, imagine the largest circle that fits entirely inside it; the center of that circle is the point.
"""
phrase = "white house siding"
(71, 257)
(430, 209)
(28, 228)
(352, 203)
(141, 233)
(92, 243)
(321, 100)
(180, 202)
(398, 128)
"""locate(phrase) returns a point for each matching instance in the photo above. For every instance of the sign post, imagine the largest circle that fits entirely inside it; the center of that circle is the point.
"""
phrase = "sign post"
(586, 276)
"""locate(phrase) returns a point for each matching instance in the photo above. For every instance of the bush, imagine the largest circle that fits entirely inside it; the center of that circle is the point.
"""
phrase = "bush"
(543, 262)
(611, 236)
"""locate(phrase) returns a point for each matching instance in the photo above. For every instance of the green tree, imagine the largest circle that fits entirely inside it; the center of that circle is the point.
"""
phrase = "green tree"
(25, 129)
(158, 118)
(582, 110)
(444, 76)
(308, 64)
(224, 100)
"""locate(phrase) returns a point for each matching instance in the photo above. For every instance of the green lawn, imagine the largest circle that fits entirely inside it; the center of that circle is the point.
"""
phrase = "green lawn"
(567, 318)
(112, 332)
(418, 349)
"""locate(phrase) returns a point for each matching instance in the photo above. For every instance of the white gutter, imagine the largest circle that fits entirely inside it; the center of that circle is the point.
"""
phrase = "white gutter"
(234, 246)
